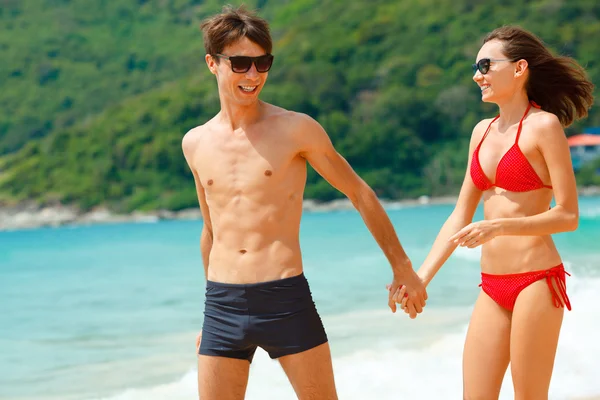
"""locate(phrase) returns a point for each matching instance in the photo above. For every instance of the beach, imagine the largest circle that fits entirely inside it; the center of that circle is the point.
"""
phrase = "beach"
(110, 311)
(30, 215)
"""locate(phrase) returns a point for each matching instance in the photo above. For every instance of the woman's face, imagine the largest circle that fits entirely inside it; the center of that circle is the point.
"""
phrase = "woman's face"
(499, 79)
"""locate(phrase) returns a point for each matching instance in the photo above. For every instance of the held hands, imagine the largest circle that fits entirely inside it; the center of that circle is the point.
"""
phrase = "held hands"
(406, 303)
(405, 285)
(476, 234)
(409, 304)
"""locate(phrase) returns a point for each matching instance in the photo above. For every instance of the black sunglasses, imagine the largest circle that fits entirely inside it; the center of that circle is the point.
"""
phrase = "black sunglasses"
(242, 64)
(483, 65)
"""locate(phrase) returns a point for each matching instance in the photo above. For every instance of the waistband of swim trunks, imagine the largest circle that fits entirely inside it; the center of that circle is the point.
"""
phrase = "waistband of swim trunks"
(526, 273)
(260, 285)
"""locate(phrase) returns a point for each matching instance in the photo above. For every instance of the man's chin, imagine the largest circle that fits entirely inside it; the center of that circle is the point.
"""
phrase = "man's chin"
(247, 101)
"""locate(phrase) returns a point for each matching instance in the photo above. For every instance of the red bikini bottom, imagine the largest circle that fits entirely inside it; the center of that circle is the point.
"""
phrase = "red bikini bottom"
(504, 289)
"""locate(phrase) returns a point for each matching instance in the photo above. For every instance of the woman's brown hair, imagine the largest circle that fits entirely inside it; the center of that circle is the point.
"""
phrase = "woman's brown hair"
(558, 84)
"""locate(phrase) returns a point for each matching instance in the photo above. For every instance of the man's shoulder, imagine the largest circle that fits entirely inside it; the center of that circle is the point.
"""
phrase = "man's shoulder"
(288, 118)
(303, 130)
(191, 139)
(196, 133)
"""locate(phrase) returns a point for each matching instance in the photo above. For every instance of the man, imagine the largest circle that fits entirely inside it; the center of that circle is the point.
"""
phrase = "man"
(249, 167)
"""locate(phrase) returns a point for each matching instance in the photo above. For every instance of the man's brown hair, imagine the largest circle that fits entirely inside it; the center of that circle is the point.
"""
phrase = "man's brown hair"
(232, 24)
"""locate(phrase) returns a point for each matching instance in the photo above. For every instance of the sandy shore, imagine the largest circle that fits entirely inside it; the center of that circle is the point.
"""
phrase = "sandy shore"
(28, 216)
(31, 216)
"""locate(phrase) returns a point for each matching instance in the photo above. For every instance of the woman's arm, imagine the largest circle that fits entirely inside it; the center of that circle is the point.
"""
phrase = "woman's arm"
(564, 216)
(462, 215)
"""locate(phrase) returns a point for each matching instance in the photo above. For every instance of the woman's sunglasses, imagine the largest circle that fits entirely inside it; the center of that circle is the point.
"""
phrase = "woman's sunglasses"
(242, 64)
(483, 65)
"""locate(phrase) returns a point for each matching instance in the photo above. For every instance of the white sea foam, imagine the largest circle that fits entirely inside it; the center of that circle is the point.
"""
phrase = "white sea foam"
(590, 213)
(431, 369)
(467, 254)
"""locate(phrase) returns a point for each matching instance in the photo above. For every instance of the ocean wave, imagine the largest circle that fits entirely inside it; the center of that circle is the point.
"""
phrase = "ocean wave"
(467, 254)
(590, 213)
(390, 371)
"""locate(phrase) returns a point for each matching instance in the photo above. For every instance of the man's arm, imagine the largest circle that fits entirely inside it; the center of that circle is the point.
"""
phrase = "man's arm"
(317, 149)
(206, 237)
(189, 145)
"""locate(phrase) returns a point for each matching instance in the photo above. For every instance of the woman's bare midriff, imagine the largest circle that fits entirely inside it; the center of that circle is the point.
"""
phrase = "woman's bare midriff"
(515, 254)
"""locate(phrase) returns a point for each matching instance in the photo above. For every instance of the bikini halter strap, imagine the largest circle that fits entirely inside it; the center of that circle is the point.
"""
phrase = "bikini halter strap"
(521, 122)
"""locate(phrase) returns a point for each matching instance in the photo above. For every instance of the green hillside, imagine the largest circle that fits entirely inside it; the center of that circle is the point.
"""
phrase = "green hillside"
(96, 96)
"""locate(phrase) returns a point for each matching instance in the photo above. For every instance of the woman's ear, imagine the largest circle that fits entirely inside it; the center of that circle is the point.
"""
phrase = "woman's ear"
(521, 67)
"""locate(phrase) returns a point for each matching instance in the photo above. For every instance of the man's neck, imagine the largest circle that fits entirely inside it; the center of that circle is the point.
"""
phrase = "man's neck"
(240, 117)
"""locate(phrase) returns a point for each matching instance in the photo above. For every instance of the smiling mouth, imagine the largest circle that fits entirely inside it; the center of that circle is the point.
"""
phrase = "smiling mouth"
(248, 89)
(483, 88)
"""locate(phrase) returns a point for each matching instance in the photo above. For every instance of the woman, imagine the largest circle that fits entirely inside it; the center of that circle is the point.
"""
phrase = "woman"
(517, 162)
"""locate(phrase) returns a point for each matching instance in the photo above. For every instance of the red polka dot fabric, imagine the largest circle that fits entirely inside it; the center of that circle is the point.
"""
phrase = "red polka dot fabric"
(504, 289)
(513, 173)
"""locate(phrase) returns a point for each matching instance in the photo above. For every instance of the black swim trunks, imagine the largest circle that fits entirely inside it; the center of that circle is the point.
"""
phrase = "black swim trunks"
(278, 316)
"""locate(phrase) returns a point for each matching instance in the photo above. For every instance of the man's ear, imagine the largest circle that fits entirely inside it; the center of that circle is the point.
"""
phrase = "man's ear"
(211, 63)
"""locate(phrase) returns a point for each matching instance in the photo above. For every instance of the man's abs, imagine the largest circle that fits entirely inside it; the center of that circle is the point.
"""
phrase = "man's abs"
(275, 258)
(255, 243)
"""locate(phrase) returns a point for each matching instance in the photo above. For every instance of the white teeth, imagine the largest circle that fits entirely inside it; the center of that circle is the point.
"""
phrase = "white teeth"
(248, 88)
(484, 87)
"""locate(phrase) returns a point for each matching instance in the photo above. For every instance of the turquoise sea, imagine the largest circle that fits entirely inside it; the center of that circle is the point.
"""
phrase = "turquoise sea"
(111, 312)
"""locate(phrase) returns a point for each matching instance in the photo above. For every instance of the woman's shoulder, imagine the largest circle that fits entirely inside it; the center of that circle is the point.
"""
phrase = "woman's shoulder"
(544, 124)
(480, 128)
(545, 120)
(544, 128)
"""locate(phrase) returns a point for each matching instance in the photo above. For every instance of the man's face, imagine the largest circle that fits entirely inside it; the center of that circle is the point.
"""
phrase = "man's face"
(239, 88)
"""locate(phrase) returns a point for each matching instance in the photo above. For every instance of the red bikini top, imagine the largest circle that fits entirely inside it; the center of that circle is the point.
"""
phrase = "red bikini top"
(513, 173)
